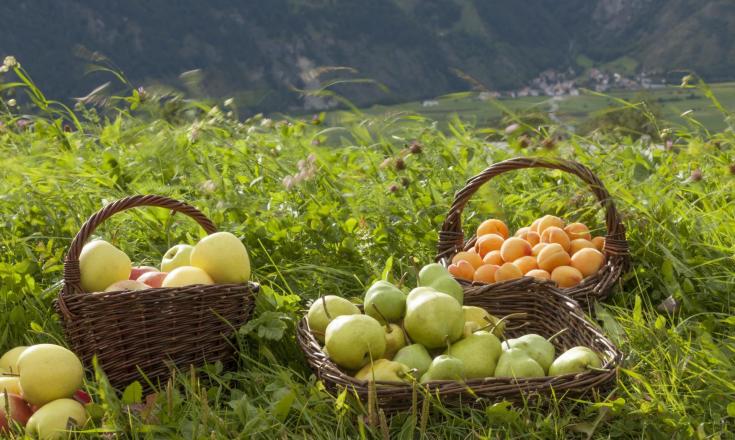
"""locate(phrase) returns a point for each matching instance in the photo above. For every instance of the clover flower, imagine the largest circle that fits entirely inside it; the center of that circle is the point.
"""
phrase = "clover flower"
(10, 62)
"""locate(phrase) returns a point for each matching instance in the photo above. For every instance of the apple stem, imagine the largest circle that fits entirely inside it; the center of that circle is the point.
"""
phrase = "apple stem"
(560, 332)
(382, 316)
(324, 305)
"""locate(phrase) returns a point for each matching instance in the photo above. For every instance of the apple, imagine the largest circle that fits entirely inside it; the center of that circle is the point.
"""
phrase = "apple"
(82, 397)
(127, 285)
(102, 264)
(55, 419)
(137, 271)
(19, 411)
(153, 279)
(223, 256)
(186, 276)
(49, 372)
(10, 384)
(10, 359)
(177, 256)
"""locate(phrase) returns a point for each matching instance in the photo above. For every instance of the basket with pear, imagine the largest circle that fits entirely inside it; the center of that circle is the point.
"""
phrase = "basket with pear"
(401, 343)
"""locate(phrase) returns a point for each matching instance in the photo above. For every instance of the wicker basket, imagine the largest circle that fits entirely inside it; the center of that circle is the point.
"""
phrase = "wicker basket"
(595, 287)
(547, 312)
(150, 331)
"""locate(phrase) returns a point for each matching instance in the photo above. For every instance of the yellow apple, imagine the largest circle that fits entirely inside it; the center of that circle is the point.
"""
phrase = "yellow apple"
(55, 419)
(127, 285)
(177, 256)
(223, 256)
(49, 372)
(10, 359)
(101, 265)
(10, 384)
(186, 276)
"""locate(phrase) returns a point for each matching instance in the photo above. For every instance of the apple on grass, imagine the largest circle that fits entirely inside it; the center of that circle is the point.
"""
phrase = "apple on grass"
(55, 419)
(9, 360)
(137, 271)
(49, 372)
(153, 279)
(13, 409)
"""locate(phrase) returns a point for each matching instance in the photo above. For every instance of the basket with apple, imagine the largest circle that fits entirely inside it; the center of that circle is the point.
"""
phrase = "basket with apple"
(149, 320)
(397, 348)
(549, 250)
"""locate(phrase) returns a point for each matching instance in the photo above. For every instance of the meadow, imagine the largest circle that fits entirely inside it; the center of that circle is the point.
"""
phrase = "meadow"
(326, 208)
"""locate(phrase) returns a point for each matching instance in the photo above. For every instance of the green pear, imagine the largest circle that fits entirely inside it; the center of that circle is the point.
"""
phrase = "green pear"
(469, 328)
(575, 360)
(536, 346)
(437, 276)
(384, 301)
(444, 367)
(383, 370)
(354, 340)
(515, 362)
(395, 339)
(415, 356)
(323, 310)
(433, 319)
(417, 293)
(478, 352)
(484, 319)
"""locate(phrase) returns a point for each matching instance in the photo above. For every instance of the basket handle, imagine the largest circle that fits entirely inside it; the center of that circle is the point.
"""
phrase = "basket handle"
(451, 236)
(72, 274)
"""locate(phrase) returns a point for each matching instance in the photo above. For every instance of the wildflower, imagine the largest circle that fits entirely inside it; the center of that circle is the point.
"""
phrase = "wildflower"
(208, 186)
(415, 147)
(696, 175)
(548, 143)
(4, 68)
(393, 188)
(229, 102)
(732, 168)
(511, 128)
(400, 164)
(12, 103)
(10, 62)
(523, 141)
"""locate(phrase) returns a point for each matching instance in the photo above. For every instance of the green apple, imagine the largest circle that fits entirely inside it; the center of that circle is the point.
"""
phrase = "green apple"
(575, 360)
(438, 277)
(354, 340)
(395, 339)
(9, 360)
(479, 354)
(177, 256)
(13, 409)
(54, 420)
(49, 372)
(415, 357)
(186, 276)
(102, 264)
(433, 319)
(324, 309)
(515, 362)
(223, 257)
(10, 384)
(384, 300)
(383, 370)
(536, 346)
(444, 367)
(483, 319)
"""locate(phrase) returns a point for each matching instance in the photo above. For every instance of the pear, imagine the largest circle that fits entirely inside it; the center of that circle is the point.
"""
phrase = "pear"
(484, 319)
(415, 356)
(515, 362)
(444, 367)
(384, 301)
(575, 360)
(536, 346)
(395, 339)
(438, 277)
(417, 293)
(478, 352)
(323, 310)
(469, 328)
(354, 340)
(433, 319)
(383, 370)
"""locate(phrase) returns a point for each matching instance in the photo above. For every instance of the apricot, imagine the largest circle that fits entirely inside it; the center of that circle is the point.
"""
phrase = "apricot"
(493, 226)
(534, 225)
(486, 273)
(578, 230)
(507, 271)
(566, 276)
(526, 264)
(514, 248)
(493, 257)
(599, 243)
(488, 243)
(531, 237)
(580, 243)
(539, 274)
(522, 231)
(462, 269)
(552, 234)
(588, 261)
(552, 256)
(471, 257)
(536, 249)
(548, 221)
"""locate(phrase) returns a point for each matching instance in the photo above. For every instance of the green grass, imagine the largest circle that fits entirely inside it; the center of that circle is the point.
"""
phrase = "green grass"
(336, 232)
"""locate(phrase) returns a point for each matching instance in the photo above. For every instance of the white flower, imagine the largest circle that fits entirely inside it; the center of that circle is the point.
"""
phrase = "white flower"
(12, 102)
(4, 68)
(229, 102)
(10, 62)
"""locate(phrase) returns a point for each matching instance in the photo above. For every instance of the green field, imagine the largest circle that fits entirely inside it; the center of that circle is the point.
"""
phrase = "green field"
(359, 216)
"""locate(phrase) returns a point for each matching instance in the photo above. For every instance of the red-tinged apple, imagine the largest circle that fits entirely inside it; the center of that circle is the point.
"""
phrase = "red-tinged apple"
(177, 256)
(82, 397)
(153, 279)
(137, 271)
(127, 285)
(19, 412)
(49, 372)
(223, 257)
(102, 264)
(9, 360)
(55, 419)
(186, 276)
(10, 384)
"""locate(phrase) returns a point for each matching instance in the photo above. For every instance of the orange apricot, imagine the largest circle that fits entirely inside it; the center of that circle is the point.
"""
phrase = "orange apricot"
(539, 274)
(536, 249)
(493, 257)
(462, 269)
(580, 243)
(488, 243)
(531, 237)
(526, 264)
(522, 231)
(471, 257)
(599, 243)
(548, 221)
(588, 261)
(514, 248)
(507, 271)
(566, 276)
(486, 273)
(578, 230)
(552, 256)
(534, 225)
(552, 234)
(493, 226)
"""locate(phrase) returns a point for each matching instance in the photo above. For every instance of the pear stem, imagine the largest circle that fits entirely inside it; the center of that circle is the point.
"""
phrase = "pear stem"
(560, 332)
(382, 316)
(448, 342)
(601, 370)
(492, 326)
(324, 305)
(11, 374)
(402, 280)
